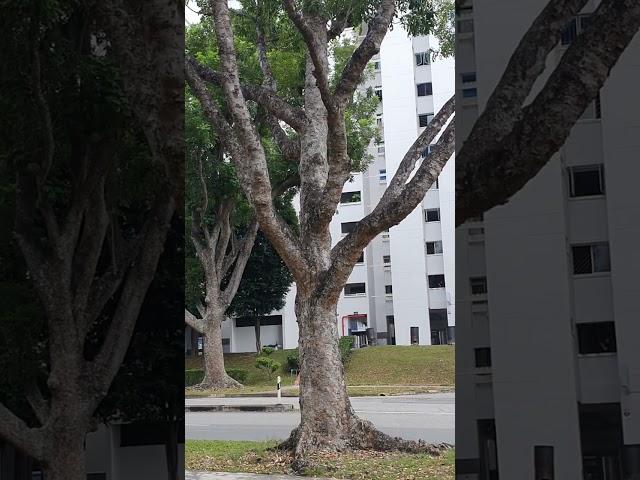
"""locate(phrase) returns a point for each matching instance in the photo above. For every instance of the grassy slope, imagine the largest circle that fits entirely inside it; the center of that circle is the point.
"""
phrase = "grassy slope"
(384, 365)
(255, 457)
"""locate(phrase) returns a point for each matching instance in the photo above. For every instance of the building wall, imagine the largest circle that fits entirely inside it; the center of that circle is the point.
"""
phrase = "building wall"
(535, 304)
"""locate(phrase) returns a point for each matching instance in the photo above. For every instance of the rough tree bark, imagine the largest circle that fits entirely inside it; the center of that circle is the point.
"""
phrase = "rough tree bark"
(327, 419)
(77, 257)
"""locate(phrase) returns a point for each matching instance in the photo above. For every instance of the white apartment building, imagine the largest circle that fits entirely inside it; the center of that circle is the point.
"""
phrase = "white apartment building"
(401, 292)
(548, 370)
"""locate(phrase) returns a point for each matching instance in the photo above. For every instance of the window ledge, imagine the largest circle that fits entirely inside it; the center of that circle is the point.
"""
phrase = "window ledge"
(355, 295)
(581, 276)
(346, 204)
(582, 198)
(596, 355)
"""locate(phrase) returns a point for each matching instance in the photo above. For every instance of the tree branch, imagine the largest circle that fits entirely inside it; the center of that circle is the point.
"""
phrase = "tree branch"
(194, 322)
(244, 251)
(352, 73)
(388, 213)
(15, 431)
(542, 127)
(263, 96)
(314, 33)
(411, 157)
(250, 159)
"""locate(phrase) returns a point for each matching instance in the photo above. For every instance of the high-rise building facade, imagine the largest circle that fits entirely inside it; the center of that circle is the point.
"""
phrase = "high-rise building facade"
(548, 378)
(401, 291)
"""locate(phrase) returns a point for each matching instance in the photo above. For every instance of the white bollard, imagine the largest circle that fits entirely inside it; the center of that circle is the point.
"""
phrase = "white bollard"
(279, 391)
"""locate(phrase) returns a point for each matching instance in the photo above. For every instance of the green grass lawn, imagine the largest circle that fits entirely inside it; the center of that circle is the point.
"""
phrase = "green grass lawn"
(257, 457)
(393, 369)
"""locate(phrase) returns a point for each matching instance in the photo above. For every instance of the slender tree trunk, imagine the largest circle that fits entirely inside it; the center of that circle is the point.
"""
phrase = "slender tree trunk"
(66, 460)
(328, 422)
(215, 375)
(258, 342)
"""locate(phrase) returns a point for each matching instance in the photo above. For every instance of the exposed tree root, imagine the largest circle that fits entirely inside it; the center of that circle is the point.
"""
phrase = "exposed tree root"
(360, 435)
(225, 382)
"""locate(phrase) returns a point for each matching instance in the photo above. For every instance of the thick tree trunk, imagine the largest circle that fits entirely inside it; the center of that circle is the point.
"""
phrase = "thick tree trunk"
(328, 422)
(257, 330)
(66, 461)
(215, 375)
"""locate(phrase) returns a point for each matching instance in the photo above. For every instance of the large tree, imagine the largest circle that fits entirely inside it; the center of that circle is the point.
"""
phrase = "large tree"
(314, 131)
(91, 106)
(222, 223)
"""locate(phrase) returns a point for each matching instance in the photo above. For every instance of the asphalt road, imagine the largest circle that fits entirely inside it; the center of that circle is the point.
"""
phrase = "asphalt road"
(428, 417)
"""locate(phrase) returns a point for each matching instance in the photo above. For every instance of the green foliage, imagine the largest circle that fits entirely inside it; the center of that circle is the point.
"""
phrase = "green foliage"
(268, 364)
(293, 359)
(435, 17)
(193, 377)
(345, 345)
(238, 374)
(267, 351)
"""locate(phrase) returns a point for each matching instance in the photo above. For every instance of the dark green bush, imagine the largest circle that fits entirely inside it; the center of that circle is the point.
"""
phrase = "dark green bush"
(345, 344)
(267, 351)
(268, 364)
(238, 374)
(193, 377)
(293, 359)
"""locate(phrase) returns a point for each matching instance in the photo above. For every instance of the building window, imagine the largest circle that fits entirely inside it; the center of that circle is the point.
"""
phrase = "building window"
(388, 289)
(469, 92)
(575, 27)
(386, 259)
(434, 248)
(596, 337)
(469, 77)
(351, 289)
(351, 197)
(586, 180)
(348, 227)
(543, 462)
(378, 92)
(436, 281)
(478, 285)
(381, 149)
(376, 66)
(591, 258)
(382, 174)
(360, 258)
(425, 89)
(432, 215)
(483, 357)
(423, 58)
(464, 26)
(426, 151)
(424, 119)
(415, 335)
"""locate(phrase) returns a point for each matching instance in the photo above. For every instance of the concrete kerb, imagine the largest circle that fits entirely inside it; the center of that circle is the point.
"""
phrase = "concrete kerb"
(278, 407)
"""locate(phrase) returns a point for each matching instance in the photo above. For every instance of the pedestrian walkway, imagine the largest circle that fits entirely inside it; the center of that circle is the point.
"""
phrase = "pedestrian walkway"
(242, 476)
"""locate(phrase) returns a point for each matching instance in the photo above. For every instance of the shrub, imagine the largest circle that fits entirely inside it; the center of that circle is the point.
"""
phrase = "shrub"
(345, 344)
(267, 351)
(293, 359)
(268, 364)
(238, 374)
(193, 377)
